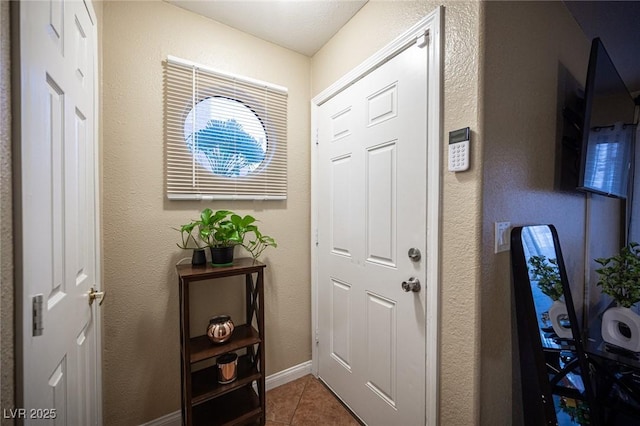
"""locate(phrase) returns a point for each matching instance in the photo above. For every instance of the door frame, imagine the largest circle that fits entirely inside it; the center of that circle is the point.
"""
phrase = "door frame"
(97, 171)
(430, 27)
(23, 319)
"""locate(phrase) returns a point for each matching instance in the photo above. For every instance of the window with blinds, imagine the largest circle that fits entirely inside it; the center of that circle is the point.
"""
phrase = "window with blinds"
(226, 136)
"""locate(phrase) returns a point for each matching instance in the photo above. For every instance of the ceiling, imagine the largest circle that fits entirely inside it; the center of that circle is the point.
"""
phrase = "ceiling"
(300, 25)
(306, 25)
(617, 23)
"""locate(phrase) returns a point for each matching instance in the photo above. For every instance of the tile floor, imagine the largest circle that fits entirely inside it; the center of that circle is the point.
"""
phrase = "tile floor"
(306, 401)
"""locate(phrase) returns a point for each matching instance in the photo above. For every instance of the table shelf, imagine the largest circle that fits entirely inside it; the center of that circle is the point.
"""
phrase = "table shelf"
(234, 408)
(205, 384)
(202, 348)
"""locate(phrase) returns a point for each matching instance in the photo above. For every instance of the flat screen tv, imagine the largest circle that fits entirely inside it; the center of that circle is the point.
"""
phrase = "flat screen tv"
(608, 132)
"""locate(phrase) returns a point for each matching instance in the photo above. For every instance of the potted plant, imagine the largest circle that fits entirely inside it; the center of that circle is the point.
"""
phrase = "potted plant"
(210, 229)
(223, 230)
(547, 274)
(189, 241)
(619, 277)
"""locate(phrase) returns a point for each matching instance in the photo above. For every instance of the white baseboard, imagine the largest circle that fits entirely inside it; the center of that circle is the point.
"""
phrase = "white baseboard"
(288, 375)
(171, 419)
(273, 381)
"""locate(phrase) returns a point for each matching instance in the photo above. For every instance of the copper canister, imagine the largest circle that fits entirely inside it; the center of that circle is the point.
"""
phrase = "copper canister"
(227, 368)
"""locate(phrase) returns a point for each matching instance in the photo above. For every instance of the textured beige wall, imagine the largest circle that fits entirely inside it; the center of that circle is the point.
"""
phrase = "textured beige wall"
(523, 46)
(7, 399)
(378, 23)
(141, 325)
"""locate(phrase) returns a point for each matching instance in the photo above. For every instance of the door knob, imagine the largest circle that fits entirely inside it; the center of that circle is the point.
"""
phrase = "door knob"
(412, 284)
(93, 295)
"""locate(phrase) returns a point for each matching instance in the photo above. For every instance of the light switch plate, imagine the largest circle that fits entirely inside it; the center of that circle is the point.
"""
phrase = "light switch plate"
(503, 237)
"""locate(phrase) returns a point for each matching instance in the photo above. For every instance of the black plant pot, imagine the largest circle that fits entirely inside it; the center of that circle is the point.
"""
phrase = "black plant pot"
(222, 256)
(199, 257)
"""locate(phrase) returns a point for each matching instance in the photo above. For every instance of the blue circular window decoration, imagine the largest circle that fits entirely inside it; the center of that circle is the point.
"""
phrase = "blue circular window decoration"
(225, 137)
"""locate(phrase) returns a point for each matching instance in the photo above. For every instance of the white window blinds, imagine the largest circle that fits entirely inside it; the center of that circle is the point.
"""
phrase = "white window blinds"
(226, 136)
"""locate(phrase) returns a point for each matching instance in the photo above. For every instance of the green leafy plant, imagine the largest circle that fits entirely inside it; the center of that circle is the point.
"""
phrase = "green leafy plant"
(209, 225)
(188, 240)
(546, 272)
(225, 228)
(259, 243)
(620, 275)
(237, 230)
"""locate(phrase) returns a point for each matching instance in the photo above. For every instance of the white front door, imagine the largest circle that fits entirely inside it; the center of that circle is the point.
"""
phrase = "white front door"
(59, 377)
(371, 211)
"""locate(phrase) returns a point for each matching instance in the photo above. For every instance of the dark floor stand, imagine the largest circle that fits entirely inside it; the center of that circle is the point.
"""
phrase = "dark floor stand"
(204, 401)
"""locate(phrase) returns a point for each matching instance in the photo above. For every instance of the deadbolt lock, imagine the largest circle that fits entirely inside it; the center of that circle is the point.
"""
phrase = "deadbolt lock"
(414, 254)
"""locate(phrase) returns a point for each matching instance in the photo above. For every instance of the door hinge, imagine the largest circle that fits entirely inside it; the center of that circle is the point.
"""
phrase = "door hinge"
(317, 237)
(317, 136)
(38, 327)
(317, 336)
(422, 40)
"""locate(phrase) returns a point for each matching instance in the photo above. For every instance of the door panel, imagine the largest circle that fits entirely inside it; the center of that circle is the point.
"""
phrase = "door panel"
(56, 24)
(340, 206)
(372, 208)
(381, 347)
(341, 124)
(341, 323)
(381, 204)
(383, 105)
(58, 392)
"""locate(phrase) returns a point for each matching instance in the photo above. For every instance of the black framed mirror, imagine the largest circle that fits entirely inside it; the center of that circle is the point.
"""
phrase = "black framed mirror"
(552, 357)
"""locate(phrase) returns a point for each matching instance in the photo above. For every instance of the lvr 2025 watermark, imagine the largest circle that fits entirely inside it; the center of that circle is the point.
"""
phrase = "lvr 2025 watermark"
(30, 413)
